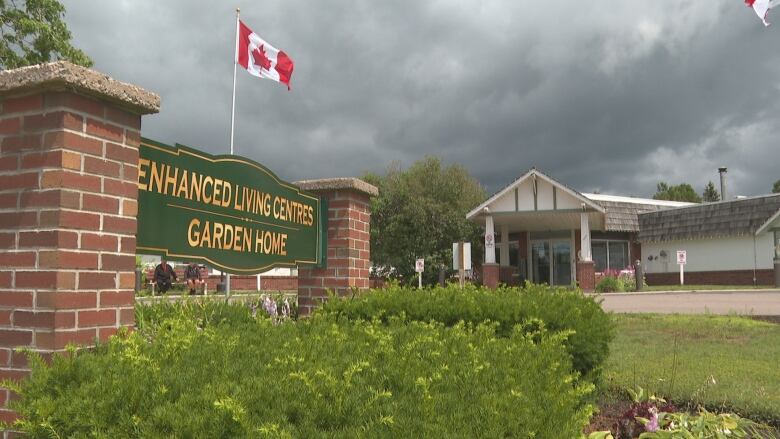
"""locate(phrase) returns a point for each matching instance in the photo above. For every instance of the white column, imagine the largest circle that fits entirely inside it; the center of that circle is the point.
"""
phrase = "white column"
(490, 245)
(586, 254)
(505, 245)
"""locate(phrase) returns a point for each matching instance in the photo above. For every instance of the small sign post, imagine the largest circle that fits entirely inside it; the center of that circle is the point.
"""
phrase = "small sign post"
(419, 267)
(461, 259)
(682, 259)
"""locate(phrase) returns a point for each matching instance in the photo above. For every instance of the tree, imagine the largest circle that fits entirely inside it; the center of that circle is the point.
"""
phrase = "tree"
(33, 32)
(680, 192)
(710, 194)
(419, 213)
(776, 187)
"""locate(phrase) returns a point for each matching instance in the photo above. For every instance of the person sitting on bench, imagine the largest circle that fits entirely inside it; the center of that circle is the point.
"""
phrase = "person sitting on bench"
(192, 275)
(162, 276)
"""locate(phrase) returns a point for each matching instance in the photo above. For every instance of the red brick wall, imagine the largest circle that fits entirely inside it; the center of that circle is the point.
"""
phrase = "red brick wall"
(586, 275)
(68, 173)
(349, 218)
(732, 277)
(279, 283)
(490, 275)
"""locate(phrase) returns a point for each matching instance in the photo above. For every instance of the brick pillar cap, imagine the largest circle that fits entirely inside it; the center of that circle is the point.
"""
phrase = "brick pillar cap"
(63, 75)
(342, 183)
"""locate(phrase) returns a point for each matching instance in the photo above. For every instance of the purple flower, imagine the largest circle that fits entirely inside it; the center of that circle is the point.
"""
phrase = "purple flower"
(653, 424)
(270, 306)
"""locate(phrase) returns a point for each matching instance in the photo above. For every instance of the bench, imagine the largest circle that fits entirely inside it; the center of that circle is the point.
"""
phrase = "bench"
(152, 285)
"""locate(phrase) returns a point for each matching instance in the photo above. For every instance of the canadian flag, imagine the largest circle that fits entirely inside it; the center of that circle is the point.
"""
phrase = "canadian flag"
(762, 8)
(262, 59)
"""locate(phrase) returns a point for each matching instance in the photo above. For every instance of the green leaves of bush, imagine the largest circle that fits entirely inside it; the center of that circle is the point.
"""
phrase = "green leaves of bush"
(559, 309)
(321, 377)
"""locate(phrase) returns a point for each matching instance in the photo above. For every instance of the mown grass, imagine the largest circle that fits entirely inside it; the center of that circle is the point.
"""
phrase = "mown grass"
(721, 362)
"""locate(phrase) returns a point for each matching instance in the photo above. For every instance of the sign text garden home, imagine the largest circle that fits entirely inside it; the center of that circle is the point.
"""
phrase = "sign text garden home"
(227, 211)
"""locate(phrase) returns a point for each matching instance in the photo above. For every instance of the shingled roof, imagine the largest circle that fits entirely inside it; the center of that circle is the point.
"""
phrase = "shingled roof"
(624, 217)
(622, 213)
(727, 218)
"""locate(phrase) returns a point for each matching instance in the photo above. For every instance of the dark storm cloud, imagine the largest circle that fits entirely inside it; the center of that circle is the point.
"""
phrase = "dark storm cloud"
(609, 97)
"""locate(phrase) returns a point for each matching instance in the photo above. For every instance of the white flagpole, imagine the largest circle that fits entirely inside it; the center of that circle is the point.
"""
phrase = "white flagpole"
(233, 122)
(235, 64)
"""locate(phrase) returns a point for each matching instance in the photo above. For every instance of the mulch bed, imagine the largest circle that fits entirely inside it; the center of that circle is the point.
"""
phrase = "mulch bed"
(770, 319)
(608, 416)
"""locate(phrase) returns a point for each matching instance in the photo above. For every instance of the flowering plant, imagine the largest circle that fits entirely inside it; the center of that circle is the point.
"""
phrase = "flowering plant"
(278, 310)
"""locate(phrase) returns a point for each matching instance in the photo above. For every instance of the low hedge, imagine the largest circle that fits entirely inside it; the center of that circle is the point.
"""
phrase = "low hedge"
(560, 309)
(320, 377)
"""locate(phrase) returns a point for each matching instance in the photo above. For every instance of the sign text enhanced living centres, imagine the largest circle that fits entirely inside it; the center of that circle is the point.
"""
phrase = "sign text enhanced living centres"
(211, 191)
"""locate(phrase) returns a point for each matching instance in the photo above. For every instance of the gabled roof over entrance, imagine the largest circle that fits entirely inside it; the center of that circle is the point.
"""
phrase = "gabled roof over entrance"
(515, 197)
(536, 202)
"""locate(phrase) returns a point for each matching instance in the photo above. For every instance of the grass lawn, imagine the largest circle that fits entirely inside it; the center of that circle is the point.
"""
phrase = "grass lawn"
(702, 287)
(722, 362)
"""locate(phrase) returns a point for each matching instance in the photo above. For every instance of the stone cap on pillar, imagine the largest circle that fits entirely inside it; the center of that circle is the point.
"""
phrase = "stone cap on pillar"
(342, 183)
(66, 76)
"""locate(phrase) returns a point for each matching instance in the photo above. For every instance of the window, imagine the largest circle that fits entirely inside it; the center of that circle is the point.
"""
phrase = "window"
(617, 255)
(599, 250)
(610, 255)
(514, 250)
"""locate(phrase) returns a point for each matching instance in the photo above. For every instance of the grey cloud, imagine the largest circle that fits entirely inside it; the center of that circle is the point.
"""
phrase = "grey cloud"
(611, 96)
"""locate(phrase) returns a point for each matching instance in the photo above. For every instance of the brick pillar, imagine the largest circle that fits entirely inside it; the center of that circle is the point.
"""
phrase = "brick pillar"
(490, 275)
(69, 141)
(349, 222)
(586, 275)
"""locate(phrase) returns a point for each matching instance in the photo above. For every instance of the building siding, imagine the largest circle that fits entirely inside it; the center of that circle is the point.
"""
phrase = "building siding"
(716, 254)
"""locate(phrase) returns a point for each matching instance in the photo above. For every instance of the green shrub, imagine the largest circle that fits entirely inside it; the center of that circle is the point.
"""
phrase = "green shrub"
(609, 284)
(213, 310)
(203, 311)
(320, 377)
(559, 309)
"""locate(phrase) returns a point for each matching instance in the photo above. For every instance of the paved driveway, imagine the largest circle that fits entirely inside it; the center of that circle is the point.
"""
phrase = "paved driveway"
(753, 302)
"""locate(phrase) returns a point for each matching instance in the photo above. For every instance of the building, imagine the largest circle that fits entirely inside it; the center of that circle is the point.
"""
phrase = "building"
(541, 230)
(731, 242)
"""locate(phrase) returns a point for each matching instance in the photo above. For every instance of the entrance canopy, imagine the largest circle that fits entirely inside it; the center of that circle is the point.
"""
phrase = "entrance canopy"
(537, 203)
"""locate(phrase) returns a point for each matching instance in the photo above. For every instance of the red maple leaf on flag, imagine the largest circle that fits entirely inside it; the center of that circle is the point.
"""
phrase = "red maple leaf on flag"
(260, 59)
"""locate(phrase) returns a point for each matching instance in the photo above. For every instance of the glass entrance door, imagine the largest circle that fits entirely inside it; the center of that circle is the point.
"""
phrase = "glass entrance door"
(551, 262)
(540, 262)
(561, 262)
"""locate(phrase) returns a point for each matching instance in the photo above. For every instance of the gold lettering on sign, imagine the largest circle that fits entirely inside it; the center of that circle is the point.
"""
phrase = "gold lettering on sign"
(215, 235)
(214, 191)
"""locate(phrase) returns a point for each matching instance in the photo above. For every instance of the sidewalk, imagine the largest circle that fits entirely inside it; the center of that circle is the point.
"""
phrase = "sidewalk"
(764, 302)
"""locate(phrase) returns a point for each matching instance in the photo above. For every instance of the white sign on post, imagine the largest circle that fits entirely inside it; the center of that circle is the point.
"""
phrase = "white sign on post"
(419, 267)
(682, 259)
(466, 256)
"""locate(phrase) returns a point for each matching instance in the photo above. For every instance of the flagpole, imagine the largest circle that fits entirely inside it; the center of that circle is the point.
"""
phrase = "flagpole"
(235, 65)
(233, 121)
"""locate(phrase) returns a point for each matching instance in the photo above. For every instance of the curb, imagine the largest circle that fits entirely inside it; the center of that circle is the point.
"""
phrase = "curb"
(678, 292)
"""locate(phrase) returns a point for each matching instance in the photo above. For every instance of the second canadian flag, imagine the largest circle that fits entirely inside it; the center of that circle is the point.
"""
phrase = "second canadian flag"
(262, 59)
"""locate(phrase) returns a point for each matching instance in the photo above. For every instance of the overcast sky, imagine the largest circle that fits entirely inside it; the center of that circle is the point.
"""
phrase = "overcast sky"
(603, 96)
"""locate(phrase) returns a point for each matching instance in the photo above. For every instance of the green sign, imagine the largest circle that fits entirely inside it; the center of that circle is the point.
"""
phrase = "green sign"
(225, 211)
